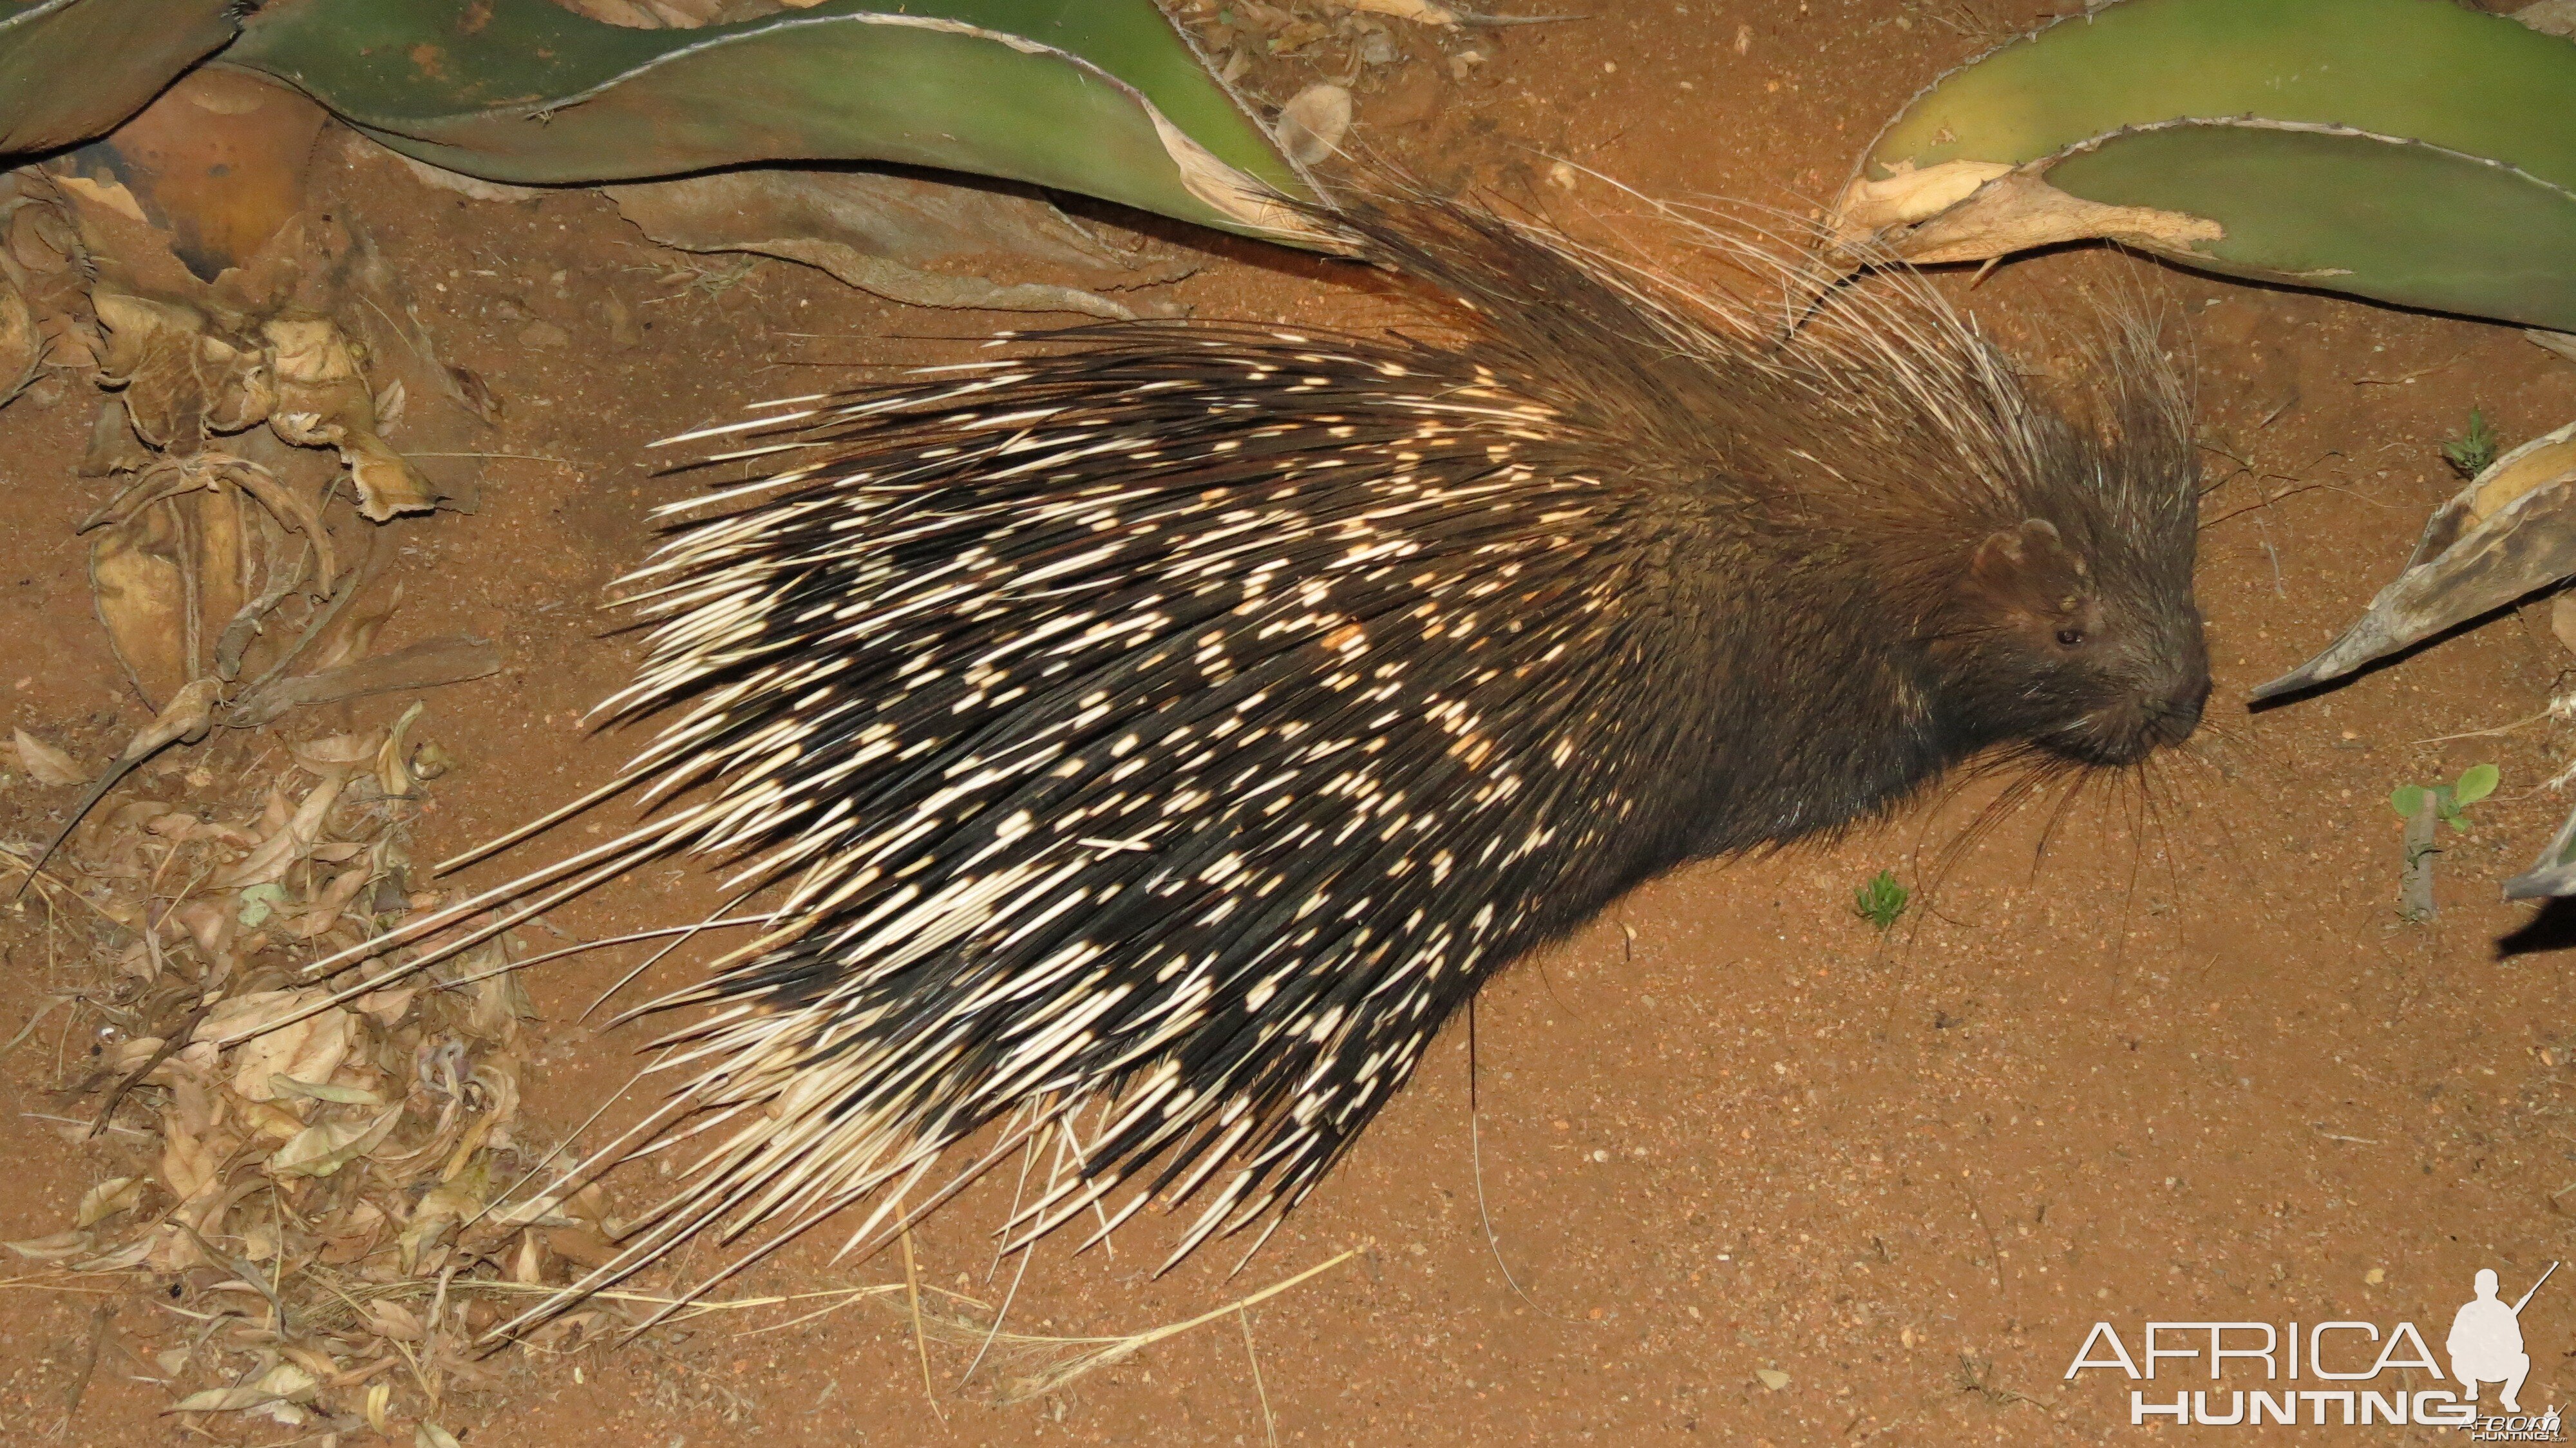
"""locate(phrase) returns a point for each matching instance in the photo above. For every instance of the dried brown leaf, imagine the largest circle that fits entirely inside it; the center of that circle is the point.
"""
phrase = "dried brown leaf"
(114, 1195)
(22, 344)
(46, 764)
(55, 1248)
(136, 1253)
(181, 379)
(341, 756)
(308, 1050)
(290, 843)
(393, 762)
(208, 924)
(324, 1148)
(188, 1165)
(1313, 123)
(388, 1318)
(283, 1383)
(323, 401)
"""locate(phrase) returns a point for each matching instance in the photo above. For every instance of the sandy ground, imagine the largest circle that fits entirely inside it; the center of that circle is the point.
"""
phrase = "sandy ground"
(1761, 1175)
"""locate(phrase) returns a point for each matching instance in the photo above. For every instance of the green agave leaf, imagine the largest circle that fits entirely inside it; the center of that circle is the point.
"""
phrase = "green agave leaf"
(1102, 97)
(73, 69)
(2430, 70)
(2402, 221)
(2409, 150)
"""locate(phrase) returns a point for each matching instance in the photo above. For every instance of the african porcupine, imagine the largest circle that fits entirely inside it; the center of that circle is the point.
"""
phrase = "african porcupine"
(1182, 724)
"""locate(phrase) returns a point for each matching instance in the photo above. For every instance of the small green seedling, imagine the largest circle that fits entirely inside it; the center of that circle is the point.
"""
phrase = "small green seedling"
(1881, 901)
(2420, 805)
(2470, 454)
(2449, 800)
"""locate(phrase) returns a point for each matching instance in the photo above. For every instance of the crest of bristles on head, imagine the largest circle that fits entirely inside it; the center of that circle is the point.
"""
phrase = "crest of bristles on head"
(1152, 740)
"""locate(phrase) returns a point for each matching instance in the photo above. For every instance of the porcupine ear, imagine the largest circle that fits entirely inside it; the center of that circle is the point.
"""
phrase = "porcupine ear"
(2027, 569)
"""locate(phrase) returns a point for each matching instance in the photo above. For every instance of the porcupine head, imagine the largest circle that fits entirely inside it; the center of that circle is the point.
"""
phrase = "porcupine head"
(1155, 739)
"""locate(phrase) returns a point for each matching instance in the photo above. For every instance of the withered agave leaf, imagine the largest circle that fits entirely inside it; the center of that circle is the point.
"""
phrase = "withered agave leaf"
(2510, 532)
(181, 377)
(22, 346)
(139, 585)
(322, 401)
(903, 238)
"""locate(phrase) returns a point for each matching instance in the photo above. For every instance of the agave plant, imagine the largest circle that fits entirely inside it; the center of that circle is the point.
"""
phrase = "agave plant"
(1105, 98)
(2412, 151)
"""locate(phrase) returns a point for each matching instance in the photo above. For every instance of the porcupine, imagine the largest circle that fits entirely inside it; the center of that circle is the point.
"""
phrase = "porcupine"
(1180, 725)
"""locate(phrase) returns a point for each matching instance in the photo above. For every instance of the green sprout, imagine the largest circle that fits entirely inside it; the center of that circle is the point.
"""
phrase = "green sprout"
(1881, 901)
(2473, 453)
(2449, 800)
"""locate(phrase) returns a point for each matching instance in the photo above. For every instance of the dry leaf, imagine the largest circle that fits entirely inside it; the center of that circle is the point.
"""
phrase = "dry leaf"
(1420, 12)
(323, 401)
(180, 379)
(325, 1091)
(46, 764)
(22, 343)
(308, 1050)
(1312, 124)
(322, 1149)
(528, 1264)
(289, 844)
(133, 1254)
(129, 1056)
(325, 910)
(139, 586)
(341, 756)
(108, 1198)
(393, 762)
(391, 1319)
(208, 924)
(284, 1382)
(188, 1165)
(51, 1249)
(267, 1118)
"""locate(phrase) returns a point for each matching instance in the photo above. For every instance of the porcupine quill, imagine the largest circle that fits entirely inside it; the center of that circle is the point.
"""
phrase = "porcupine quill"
(1155, 740)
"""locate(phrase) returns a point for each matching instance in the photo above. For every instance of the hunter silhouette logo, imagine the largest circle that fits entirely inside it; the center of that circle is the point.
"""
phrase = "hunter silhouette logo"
(2486, 1341)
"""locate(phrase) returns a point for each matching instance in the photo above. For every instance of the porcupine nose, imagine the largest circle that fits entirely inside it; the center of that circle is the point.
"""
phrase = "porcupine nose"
(2180, 713)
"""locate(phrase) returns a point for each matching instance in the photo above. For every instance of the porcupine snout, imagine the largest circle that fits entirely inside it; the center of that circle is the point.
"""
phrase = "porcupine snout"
(2172, 688)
